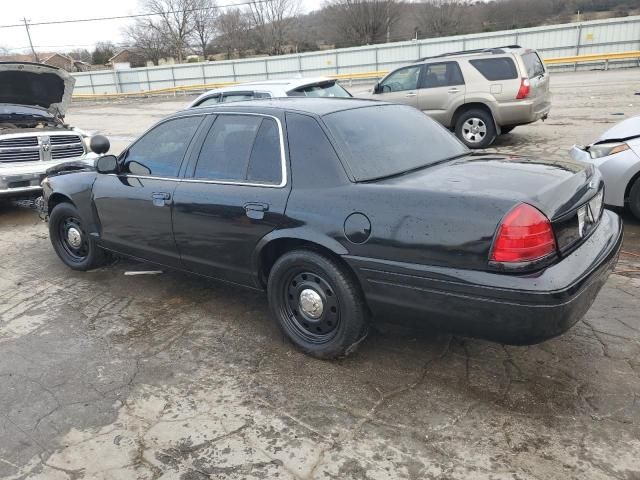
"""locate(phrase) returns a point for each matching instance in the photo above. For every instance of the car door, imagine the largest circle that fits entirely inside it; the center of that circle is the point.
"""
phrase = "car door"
(134, 206)
(400, 86)
(442, 90)
(235, 193)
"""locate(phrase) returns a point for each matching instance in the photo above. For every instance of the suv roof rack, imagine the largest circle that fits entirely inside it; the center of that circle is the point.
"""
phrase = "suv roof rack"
(493, 51)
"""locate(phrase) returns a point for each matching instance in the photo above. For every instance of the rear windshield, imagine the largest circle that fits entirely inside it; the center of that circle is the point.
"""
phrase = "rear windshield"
(494, 69)
(385, 140)
(324, 89)
(533, 64)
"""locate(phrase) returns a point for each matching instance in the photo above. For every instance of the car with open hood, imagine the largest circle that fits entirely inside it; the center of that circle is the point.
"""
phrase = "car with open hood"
(345, 212)
(617, 155)
(33, 134)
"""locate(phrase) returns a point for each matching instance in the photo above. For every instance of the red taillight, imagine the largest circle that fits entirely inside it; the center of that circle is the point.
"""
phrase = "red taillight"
(525, 234)
(525, 88)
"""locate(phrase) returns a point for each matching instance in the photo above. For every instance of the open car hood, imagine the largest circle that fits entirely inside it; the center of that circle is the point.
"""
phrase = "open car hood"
(627, 129)
(35, 84)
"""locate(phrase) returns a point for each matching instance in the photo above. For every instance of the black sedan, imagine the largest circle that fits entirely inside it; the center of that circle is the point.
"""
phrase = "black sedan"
(348, 211)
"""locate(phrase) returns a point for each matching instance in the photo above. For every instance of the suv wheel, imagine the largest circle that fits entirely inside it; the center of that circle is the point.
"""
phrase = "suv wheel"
(634, 199)
(71, 241)
(476, 129)
(318, 304)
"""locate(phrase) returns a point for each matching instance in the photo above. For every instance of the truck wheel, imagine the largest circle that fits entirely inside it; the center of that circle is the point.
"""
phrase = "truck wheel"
(476, 128)
(71, 241)
(318, 304)
(634, 199)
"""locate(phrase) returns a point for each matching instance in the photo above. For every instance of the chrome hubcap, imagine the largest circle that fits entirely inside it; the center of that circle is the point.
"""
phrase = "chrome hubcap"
(311, 303)
(74, 237)
(474, 130)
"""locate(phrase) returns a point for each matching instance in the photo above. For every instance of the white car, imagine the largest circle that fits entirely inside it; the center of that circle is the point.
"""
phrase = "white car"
(617, 155)
(33, 134)
(298, 87)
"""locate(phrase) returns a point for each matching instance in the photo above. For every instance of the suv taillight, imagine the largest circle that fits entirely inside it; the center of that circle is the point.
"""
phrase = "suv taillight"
(524, 235)
(525, 89)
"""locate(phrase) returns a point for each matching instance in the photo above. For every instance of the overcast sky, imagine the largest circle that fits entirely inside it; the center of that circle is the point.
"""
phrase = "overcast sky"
(75, 35)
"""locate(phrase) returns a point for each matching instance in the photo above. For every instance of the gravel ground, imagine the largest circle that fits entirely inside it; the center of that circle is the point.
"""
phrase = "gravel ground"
(106, 376)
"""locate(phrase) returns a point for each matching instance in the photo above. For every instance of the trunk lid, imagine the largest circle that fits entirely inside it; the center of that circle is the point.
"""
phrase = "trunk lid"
(35, 85)
(554, 187)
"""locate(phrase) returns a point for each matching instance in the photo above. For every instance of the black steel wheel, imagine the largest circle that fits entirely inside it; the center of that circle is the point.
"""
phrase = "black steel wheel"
(71, 241)
(317, 303)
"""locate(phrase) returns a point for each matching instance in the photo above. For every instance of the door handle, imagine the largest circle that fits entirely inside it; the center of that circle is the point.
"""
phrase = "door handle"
(411, 94)
(453, 90)
(256, 210)
(160, 198)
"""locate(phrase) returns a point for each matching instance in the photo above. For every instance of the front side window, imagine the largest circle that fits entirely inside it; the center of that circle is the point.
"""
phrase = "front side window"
(403, 79)
(324, 89)
(160, 151)
(495, 69)
(445, 74)
(386, 140)
(241, 148)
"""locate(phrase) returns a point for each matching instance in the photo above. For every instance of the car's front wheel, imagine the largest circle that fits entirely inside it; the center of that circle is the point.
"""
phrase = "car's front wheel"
(475, 128)
(634, 199)
(317, 303)
(71, 240)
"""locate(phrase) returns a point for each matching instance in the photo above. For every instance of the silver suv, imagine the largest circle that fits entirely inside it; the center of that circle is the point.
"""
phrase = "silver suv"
(479, 94)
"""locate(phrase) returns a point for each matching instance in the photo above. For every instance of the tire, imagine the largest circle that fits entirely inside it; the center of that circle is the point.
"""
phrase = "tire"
(634, 199)
(505, 130)
(303, 278)
(83, 255)
(478, 119)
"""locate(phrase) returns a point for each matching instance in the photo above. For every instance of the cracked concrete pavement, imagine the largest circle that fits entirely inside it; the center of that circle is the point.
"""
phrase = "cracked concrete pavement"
(106, 376)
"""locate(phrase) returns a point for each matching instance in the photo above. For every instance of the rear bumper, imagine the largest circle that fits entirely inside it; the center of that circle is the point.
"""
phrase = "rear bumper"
(514, 309)
(521, 112)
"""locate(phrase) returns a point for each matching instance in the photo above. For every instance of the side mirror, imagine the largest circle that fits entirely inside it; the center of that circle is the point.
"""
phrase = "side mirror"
(107, 164)
(99, 144)
(376, 88)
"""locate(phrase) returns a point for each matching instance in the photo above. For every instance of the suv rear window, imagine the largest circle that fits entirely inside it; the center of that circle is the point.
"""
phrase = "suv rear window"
(534, 65)
(494, 69)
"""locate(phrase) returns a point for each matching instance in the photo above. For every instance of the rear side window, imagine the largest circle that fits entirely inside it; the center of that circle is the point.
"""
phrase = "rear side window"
(445, 74)
(241, 148)
(209, 101)
(496, 68)
(314, 161)
(236, 97)
(533, 64)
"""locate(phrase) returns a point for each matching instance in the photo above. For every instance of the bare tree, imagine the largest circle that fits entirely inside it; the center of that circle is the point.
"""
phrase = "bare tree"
(148, 38)
(205, 18)
(360, 22)
(439, 18)
(81, 54)
(271, 22)
(175, 21)
(233, 28)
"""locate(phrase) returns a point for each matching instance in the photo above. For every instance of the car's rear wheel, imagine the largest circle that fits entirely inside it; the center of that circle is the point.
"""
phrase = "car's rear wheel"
(634, 199)
(317, 303)
(475, 128)
(71, 241)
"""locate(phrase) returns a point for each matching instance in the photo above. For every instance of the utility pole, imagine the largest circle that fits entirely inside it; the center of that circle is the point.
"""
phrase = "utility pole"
(33, 50)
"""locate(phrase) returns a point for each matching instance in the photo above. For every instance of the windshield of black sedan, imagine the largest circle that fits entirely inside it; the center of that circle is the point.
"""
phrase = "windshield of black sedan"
(386, 140)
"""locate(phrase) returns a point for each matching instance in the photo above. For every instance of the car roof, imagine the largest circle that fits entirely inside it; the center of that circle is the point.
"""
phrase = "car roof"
(310, 105)
(482, 52)
(279, 84)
